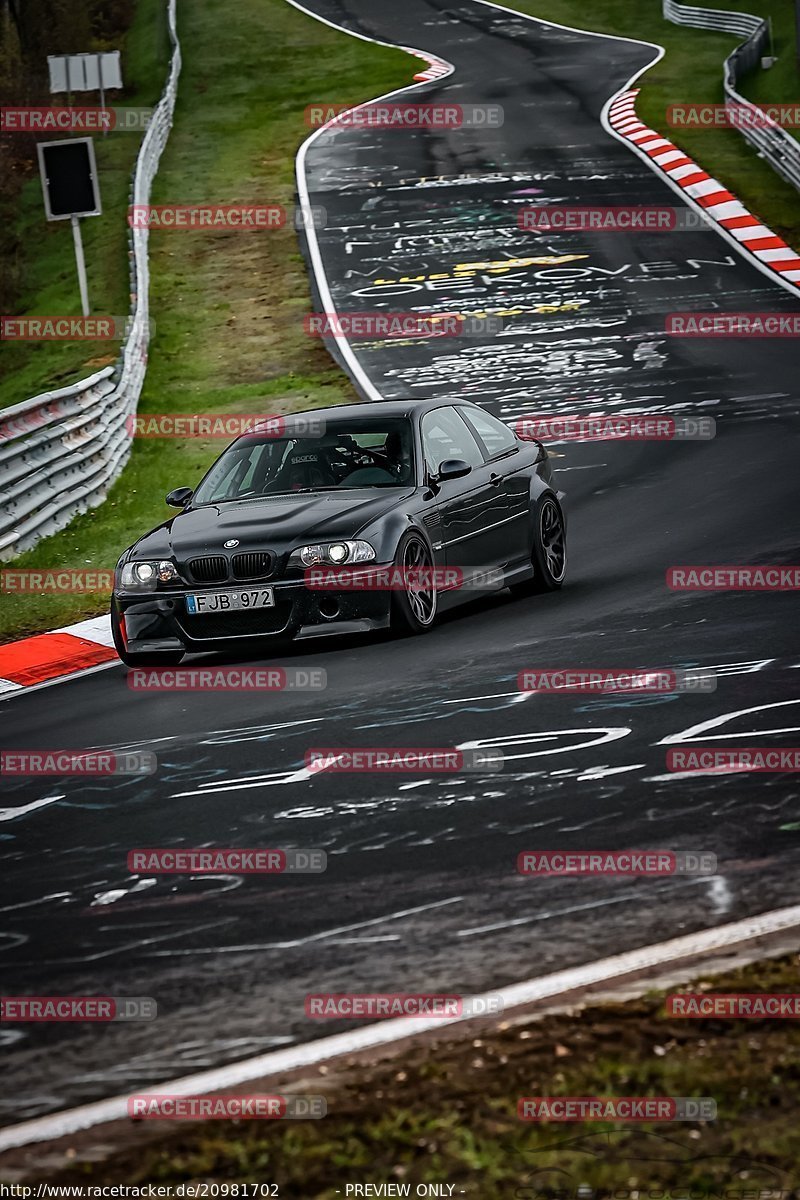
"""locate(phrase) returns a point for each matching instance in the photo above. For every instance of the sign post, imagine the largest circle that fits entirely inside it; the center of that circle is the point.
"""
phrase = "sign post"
(81, 264)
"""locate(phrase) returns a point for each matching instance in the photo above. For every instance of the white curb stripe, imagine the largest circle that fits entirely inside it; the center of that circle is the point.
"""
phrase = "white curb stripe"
(96, 629)
(670, 156)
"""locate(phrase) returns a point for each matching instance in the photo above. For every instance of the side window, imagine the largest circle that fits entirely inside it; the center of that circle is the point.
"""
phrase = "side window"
(445, 435)
(496, 437)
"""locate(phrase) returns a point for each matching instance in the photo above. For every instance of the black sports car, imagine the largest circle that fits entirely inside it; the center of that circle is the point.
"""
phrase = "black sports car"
(348, 519)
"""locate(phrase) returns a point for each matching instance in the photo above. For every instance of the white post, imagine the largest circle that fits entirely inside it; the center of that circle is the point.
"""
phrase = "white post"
(102, 91)
(76, 236)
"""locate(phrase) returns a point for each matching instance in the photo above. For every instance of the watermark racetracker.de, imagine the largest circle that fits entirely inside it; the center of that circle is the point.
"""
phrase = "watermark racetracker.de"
(88, 763)
(205, 860)
(72, 1009)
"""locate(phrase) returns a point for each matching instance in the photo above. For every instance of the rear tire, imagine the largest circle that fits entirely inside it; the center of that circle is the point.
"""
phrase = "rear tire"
(169, 658)
(549, 551)
(414, 608)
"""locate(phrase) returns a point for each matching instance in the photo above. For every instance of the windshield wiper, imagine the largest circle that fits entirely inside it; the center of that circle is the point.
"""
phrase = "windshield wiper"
(333, 487)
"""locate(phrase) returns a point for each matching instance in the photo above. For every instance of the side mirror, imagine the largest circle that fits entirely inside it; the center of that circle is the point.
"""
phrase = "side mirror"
(452, 468)
(541, 453)
(179, 497)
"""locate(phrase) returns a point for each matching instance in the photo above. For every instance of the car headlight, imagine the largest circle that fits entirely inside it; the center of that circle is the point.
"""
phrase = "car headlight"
(334, 553)
(146, 576)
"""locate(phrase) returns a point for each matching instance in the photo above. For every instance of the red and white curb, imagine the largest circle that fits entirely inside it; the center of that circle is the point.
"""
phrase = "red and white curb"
(753, 239)
(48, 657)
(437, 68)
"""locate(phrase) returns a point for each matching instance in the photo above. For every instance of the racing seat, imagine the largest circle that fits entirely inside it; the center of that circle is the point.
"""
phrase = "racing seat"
(304, 470)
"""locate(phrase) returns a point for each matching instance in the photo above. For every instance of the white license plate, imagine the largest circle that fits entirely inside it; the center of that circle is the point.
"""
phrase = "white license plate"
(214, 602)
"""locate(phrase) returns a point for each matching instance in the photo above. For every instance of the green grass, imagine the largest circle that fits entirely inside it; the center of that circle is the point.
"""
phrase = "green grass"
(445, 1112)
(691, 72)
(228, 307)
(48, 270)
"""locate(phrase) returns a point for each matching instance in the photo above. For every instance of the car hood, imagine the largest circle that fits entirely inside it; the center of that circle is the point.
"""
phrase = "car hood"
(276, 523)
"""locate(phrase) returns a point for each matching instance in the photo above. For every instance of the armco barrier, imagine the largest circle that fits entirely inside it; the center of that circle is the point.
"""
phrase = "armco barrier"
(777, 146)
(61, 451)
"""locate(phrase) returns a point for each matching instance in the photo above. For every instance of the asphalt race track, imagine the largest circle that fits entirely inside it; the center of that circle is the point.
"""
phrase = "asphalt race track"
(421, 892)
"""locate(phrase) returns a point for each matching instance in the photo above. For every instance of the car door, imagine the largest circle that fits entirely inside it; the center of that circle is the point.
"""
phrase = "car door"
(512, 478)
(467, 505)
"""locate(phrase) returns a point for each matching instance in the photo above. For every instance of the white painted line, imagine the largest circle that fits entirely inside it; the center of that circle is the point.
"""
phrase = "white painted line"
(313, 937)
(384, 1033)
(11, 814)
(96, 629)
(358, 372)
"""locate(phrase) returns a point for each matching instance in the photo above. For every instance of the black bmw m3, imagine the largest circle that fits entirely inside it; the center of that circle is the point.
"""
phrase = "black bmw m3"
(342, 520)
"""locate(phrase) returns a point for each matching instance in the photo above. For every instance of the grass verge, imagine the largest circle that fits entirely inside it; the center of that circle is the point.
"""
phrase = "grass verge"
(228, 307)
(446, 1113)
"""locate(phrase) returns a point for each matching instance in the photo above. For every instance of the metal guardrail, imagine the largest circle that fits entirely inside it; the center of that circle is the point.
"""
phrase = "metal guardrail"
(772, 142)
(61, 451)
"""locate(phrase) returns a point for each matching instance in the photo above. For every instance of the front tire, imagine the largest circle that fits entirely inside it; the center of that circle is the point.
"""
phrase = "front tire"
(414, 608)
(169, 658)
(549, 550)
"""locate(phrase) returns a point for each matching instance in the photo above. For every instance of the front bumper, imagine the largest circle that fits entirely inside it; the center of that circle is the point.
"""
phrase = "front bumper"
(160, 622)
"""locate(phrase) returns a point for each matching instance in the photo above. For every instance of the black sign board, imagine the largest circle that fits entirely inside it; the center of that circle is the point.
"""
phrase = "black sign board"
(69, 179)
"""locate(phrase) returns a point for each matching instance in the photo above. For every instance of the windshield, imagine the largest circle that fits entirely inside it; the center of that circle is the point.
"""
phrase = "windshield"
(359, 454)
